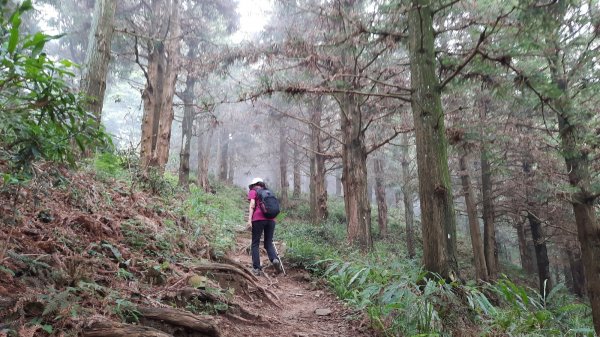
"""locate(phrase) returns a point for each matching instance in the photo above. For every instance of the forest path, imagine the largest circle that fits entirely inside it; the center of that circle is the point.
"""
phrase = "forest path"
(299, 299)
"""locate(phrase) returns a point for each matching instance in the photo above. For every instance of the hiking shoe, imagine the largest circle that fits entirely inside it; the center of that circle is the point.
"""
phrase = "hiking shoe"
(278, 265)
(257, 272)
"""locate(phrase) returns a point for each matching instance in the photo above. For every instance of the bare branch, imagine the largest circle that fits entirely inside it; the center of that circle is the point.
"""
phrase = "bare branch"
(396, 133)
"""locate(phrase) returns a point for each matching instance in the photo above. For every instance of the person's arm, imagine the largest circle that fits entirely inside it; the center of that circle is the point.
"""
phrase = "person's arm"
(251, 211)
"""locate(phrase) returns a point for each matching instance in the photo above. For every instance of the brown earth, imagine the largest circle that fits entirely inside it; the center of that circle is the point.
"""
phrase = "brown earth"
(83, 257)
(299, 299)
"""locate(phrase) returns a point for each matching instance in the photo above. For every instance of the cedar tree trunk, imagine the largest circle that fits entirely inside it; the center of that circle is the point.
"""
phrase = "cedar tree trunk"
(380, 196)
(438, 220)
(93, 81)
(478, 254)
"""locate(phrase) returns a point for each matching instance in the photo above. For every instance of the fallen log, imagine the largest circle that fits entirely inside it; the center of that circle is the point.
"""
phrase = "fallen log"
(114, 329)
(206, 325)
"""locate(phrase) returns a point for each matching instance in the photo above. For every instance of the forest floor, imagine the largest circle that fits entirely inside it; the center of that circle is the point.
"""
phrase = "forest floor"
(88, 257)
(306, 308)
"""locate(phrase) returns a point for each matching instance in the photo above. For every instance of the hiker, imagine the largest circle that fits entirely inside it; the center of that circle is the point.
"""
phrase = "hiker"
(259, 223)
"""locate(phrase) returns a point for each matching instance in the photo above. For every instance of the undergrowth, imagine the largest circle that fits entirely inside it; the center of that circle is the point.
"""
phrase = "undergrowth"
(117, 236)
(401, 300)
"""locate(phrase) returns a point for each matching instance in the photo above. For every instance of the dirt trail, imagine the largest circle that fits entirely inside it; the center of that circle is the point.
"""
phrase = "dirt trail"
(299, 299)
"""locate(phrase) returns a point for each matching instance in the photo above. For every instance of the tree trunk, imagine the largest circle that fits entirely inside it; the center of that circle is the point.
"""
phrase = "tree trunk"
(576, 273)
(187, 126)
(354, 177)
(151, 98)
(297, 176)
(338, 184)
(93, 81)
(527, 262)
(478, 252)
(312, 188)
(321, 186)
(489, 228)
(380, 197)
(318, 190)
(541, 253)
(162, 70)
(167, 112)
(283, 165)
(231, 165)
(573, 133)
(224, 154)
(407, 196)
(435, 190)
(204, 149)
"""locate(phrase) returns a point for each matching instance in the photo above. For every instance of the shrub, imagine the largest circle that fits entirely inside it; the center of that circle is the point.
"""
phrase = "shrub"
(42, 116)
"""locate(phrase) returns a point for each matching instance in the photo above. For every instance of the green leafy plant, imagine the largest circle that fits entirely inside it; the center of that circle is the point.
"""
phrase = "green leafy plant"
(42, 117)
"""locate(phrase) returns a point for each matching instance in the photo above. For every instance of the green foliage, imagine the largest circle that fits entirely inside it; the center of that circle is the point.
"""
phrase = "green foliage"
(159, 183)
(525, 311)
(400, 300)
(388, 288)
(216, 216)
(108, 164)
(42, 116)
(198, 306)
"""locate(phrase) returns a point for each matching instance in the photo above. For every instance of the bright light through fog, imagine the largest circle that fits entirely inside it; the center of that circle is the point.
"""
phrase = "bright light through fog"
(254, 15)
(47, 13)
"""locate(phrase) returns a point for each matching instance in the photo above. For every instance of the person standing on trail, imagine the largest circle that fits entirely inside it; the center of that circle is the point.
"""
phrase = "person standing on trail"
(259, 221)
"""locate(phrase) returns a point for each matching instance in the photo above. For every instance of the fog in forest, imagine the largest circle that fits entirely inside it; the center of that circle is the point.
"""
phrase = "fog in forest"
(476, 120)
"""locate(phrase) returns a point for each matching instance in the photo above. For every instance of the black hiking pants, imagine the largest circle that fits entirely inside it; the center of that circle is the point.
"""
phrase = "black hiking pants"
(268, 226)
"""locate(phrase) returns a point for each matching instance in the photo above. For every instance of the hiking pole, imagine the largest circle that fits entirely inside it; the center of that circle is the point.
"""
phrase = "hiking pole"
(279, 257)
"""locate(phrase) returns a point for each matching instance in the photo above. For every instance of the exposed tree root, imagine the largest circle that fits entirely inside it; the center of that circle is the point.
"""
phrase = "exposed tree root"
(243, 320)
(206, 325)
(246, 316)
(242, 272)
(109, 328)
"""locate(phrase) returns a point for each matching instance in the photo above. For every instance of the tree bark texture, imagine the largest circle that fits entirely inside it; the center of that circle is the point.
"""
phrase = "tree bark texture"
(162, 71)
(577, 284)
(283, 165)
(527, 261)
(489, 228)
(224, 154)
(338, 184)
(354, 176)
(476, 241)
(232, 161)
(382, 216)
(204, 153)
(407, 196)
(113, 329)
(435, 191)
(318, 188)
(167, 112)
(573, 132)
(191, 324)
(541, 252)
(187, 127)
(297, 174)
(93, 81)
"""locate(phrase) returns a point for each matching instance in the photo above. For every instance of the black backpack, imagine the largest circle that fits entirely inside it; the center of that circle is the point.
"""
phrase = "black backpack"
(268, 203)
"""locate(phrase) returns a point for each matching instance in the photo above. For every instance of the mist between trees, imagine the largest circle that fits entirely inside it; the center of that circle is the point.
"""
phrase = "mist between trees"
(476, 118)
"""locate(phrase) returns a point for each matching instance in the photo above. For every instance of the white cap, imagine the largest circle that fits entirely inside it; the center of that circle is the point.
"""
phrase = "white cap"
(256, 181)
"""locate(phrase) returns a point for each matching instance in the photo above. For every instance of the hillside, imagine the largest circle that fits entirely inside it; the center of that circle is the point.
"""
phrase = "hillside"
(87, 254)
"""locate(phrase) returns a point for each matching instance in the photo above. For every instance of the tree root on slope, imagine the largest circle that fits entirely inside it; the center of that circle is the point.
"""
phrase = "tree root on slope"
(159, 322)
(109, 328)
(251, 279)
(245, 316)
